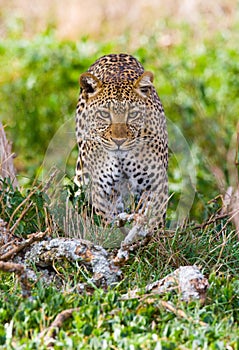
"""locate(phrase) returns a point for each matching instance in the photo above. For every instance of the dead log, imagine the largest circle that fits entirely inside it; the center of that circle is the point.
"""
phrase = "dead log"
(187, 281)
(94, 257)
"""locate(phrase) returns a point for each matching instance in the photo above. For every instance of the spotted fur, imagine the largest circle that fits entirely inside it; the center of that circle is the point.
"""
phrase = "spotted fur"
(122, 139)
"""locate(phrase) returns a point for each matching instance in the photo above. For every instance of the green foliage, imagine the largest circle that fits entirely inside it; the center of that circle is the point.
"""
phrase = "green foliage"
(104, 320)
(26, 212)
(199, 89)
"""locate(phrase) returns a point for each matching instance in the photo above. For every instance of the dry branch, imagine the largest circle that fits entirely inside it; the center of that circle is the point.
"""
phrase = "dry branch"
(178, 312)
(231, 205)
(7, 169)
(48, 334)
(17, 209)
(17, 247)
(5, 235)
(137, 236)
(186, 280)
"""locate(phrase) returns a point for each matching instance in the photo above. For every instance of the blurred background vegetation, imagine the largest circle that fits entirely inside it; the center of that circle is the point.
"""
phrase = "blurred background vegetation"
(190, 45)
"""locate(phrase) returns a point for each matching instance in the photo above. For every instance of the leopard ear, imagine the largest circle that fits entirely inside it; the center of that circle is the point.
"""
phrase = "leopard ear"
(144, 83)
(90, 84)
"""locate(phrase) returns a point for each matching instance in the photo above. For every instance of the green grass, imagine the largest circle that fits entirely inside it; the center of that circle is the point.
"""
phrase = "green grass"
(198, 85)
(106, 321)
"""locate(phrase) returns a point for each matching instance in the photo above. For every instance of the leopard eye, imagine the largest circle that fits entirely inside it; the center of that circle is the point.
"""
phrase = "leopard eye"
(103, 114)
(134, 114)
(145, 90)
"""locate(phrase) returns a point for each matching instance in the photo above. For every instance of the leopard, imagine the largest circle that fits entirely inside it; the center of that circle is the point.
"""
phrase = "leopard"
(122, 140)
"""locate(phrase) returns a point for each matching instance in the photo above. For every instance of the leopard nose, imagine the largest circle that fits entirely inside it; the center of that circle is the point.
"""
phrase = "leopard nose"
(119, 142)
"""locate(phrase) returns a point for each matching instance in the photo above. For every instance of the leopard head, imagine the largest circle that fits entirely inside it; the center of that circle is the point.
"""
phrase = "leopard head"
(116, 112)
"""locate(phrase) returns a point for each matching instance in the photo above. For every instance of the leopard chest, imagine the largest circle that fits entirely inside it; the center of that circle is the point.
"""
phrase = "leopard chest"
(122, 175)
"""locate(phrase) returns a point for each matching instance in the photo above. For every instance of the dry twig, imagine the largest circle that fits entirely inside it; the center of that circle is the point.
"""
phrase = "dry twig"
(169, 306)
(34, 237)
(49, 333)
(210, 221)
(7, 169)
(13, 228)
(181, 313)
